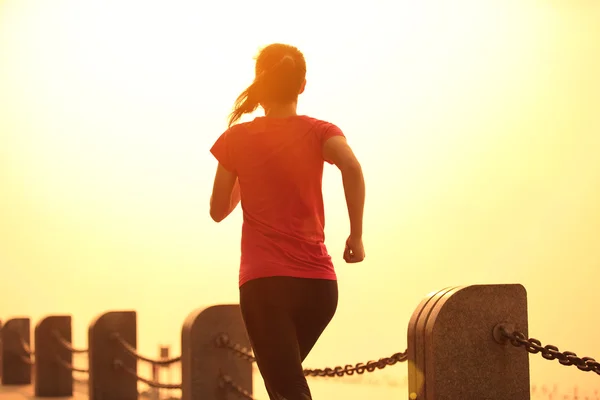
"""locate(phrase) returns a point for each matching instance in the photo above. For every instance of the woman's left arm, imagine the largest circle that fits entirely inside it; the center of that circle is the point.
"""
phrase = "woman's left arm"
(225, 195)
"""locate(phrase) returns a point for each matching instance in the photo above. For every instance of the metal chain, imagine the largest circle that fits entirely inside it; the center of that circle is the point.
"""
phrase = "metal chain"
(66, 344)
(133, 352)
(359, 368)
(241, 351)
(227, 383)
(70, 367)
(27, 360)
(119, 365)
(25, 347)
(550, 352)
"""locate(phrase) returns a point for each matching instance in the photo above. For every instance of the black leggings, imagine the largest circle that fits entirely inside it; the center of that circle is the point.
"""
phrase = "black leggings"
(284, 317)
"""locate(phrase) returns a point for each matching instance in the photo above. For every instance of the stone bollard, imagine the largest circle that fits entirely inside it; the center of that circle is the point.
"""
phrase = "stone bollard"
(452, 351)
(0, 349)
(108, 378)
(16, 360)
(203, 361)
(52, 378)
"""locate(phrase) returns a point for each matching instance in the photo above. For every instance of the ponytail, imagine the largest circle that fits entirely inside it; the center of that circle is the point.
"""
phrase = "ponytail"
(267, 84)
(247, 102)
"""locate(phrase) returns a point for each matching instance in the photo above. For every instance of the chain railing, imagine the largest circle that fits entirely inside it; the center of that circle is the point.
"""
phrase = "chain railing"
(69, 347)
(227, 348)
(66, 344)
(516, 338)
(28, 356)
(133, 352)
(223, 341)
(154, 362)
(360, 368)
(226, 382)
(154, 384)
(548, 352)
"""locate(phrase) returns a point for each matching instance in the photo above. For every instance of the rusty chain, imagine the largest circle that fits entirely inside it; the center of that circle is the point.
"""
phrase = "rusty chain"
(227, 383)
(550, 352)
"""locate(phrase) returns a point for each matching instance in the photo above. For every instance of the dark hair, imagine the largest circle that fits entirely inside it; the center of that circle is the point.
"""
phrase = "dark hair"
(279, 74)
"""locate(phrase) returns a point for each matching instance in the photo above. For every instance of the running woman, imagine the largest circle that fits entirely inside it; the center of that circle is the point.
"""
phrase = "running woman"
(274, 166)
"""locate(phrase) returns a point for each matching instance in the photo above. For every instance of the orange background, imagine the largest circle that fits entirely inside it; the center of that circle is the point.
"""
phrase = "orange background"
(477, 124)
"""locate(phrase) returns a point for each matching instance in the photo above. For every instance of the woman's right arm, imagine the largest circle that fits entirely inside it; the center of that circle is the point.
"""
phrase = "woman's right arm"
(337, 151)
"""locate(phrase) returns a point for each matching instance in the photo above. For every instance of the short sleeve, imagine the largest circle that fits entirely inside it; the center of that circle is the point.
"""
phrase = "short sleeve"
(221, 150)
(330, 130)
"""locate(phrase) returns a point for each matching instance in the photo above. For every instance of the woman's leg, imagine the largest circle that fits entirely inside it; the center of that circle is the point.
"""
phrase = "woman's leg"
(315, 305)
(265, 305)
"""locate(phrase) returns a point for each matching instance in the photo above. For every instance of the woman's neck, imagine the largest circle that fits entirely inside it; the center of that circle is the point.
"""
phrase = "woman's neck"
(280, 110)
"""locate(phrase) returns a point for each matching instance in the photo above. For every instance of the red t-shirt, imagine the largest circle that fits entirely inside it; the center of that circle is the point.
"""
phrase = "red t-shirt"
(279, 163)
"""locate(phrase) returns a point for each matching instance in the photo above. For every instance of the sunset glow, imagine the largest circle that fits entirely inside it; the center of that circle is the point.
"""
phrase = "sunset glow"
(477, 125)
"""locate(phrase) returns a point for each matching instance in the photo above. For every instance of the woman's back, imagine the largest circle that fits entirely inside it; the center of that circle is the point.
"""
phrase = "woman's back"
(279, 164)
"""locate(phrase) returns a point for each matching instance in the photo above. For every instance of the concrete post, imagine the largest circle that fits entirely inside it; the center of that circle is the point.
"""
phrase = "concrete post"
(203, 362)
(52, 379)
(107, 381)
(452, 351)
(0, 349)
(16, 362)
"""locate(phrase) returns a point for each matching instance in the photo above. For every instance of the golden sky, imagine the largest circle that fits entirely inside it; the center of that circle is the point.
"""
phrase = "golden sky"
(477, 124)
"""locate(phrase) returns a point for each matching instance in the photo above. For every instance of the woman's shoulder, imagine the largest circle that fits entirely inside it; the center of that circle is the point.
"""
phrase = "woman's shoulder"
(301, 122)
(237, 129)
(318, 122)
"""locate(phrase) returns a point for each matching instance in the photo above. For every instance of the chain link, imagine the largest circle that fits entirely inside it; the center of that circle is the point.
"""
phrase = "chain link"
(118, 364)
(241, 351)
(133, 352)
(550, 352)
(227, 383)
(70, 367)
(25, 347)
(359, 368)
(66, 344)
